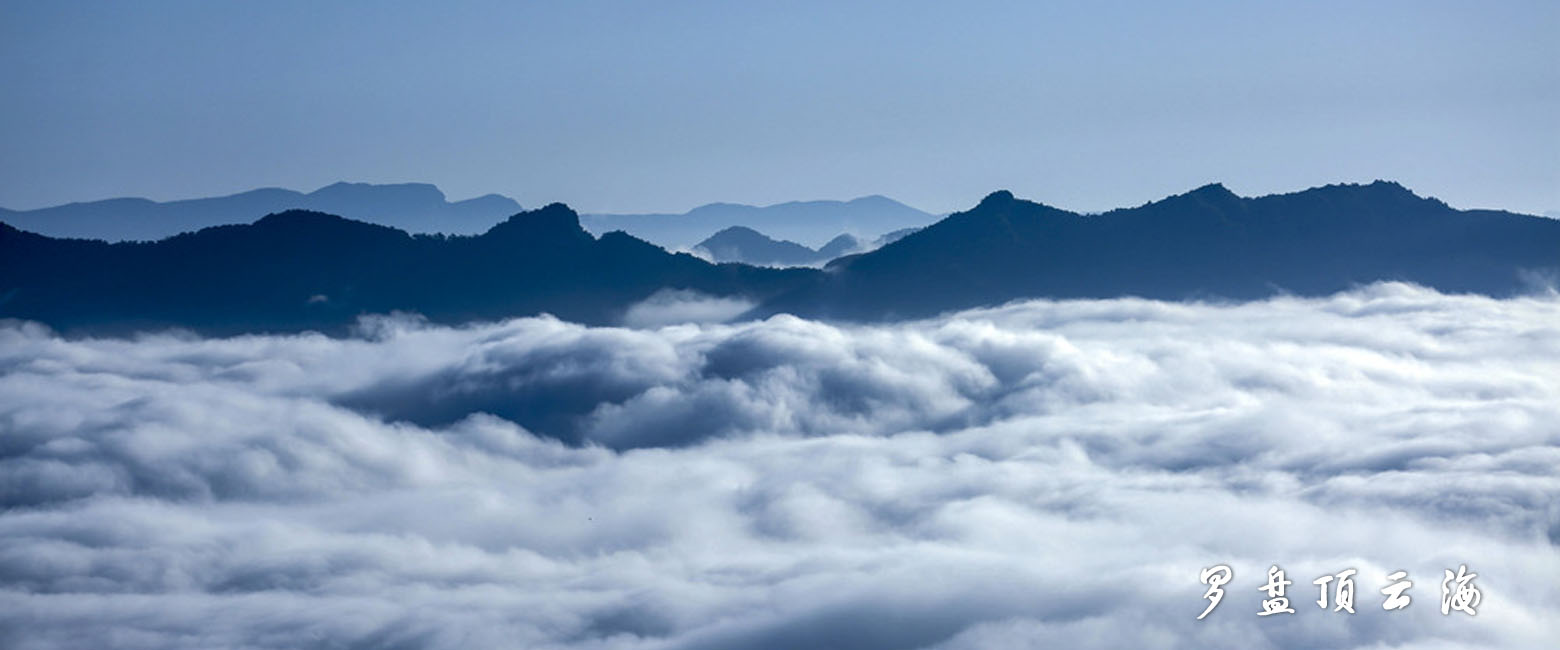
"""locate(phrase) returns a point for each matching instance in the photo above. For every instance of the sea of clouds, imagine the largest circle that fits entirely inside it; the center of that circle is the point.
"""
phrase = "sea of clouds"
(1043, 474)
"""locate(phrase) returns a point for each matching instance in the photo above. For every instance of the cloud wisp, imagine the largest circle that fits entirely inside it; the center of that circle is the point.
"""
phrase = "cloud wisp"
(1048, 473)
(678, 306)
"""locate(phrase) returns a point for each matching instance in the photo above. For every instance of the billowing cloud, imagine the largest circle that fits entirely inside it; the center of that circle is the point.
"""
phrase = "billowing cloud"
(1041, 474)
(678, 306)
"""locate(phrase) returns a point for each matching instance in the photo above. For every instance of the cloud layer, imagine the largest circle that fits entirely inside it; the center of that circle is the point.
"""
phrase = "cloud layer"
(1045, 473)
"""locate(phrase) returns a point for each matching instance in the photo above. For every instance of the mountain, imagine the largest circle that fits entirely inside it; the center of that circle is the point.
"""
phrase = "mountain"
(811, 223)
(1207, 243)
(413, 207)
(748, 246)
(301, 270)
(891, 237)
(842, 245)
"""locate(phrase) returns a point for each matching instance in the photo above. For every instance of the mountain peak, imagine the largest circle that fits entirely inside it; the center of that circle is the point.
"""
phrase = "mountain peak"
(840, 245)
(1379, 192)
(552, 212)
(997, 199)
(1213, 190)
(743, 244)
(424, 192)
(551, 220)
(738, 231)
(876, 201)
(742, 236)
(297, 217)
(1214, 196)
(1391, 187)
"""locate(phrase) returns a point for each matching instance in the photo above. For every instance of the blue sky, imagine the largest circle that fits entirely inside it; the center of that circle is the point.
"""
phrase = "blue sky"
(663, 106)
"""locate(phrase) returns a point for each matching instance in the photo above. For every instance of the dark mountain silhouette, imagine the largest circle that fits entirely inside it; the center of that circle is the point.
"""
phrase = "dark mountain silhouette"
(413, 207)
(748, 246)
(300, 270)
(1207, 243)
(306, 270)
(809, 222)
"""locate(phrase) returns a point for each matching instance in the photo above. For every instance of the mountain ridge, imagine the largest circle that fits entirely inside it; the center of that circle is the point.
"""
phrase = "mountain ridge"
(748, 246)
(414, 207)
(298, 270)
(809, 223)
(1202, 243)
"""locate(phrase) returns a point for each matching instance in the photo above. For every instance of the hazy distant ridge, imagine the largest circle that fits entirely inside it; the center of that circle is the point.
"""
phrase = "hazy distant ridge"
(809, 223)
(413, 207)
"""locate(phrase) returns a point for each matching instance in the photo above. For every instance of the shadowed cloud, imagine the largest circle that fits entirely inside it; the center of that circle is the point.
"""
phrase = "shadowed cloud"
(1041, 473)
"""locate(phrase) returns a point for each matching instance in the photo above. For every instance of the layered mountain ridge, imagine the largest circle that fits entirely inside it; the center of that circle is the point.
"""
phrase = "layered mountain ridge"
(298, 270)
(749, 246)
(1206, 243)
(808, 223)
(413, 207)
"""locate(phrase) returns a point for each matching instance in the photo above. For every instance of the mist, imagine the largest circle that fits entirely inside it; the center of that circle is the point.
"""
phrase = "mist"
(1043, 473)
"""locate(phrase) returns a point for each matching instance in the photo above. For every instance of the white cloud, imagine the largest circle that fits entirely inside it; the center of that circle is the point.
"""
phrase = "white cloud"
(679, 306)
(1045, 473)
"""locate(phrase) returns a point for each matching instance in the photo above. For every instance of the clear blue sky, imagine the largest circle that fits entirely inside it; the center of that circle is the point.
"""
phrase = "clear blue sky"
(661, 106)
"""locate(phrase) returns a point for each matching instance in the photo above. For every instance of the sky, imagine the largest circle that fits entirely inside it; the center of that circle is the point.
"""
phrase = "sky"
(638, 107)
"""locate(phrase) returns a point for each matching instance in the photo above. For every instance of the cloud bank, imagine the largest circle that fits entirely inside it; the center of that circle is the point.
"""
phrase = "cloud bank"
(678, 306)
(1040, 474)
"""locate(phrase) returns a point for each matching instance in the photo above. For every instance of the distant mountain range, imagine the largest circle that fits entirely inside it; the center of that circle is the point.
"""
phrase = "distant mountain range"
(810, 223)
(300, 270)
(420, 208)
(748, 246)
(413, 207)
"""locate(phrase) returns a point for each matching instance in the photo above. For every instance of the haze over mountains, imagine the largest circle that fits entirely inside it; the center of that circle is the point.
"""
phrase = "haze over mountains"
(299, 270)
(306, 270)
(809, 223)
(748, 246)
(413, 207)
(420, 208)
